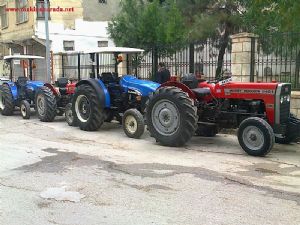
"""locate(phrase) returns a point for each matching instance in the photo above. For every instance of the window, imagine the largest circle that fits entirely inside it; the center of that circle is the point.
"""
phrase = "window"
(40, 12)
(69, 45)
(22, 14)
(3, 17)
(102, 43)
(103, 1)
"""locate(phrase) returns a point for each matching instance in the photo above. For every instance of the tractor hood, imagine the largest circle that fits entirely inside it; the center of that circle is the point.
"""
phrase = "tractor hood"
(34, 85)
(144, 87)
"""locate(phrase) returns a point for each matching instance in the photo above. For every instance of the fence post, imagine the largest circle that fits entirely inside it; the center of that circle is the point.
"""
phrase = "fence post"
(243, 57)
(252, 59)
(192, 59)
(78, 66)
(63, 65)
(154, 62)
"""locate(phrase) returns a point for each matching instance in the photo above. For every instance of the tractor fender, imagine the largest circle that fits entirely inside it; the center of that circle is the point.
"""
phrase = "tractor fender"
(101, 90)
(13, 89)
(182, 86)
(52, 88)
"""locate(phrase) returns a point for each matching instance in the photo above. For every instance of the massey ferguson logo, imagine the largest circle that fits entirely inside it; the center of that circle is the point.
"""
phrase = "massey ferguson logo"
(249, 91)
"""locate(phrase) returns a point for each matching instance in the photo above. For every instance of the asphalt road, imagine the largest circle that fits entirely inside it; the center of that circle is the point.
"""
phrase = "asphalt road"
(51, 173)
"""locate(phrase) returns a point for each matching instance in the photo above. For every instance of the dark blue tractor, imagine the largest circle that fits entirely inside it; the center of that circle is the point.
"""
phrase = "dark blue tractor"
(107, 96)
(23, 91)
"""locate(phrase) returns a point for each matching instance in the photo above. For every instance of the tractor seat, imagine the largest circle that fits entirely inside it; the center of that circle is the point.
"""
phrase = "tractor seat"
(22, 81)
(62, 82)
(109, 78)
(201, 92)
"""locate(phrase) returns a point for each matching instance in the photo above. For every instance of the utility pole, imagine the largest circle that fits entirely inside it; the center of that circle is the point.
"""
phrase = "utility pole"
(47, 40)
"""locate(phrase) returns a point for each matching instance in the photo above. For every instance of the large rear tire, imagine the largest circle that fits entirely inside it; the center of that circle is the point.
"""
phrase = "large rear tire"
(87, 108)
(256, 136)
(45, 104)
(171, 116)
(7, 105)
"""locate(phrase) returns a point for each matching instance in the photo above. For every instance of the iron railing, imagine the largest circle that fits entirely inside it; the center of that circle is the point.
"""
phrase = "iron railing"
(277, 58)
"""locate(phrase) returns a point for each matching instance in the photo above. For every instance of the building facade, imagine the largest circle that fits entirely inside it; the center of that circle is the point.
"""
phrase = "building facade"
(74, 25)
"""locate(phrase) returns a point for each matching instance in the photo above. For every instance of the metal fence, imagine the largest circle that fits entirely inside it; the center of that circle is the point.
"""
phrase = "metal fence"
(200, 58)
(277, 58)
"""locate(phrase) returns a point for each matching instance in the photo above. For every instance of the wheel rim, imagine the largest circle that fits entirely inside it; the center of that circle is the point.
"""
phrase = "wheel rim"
(23, 110)
(130, 124)
(253, 138)
(41, 105)
(165, 117)
(2, 101)
(82, 108)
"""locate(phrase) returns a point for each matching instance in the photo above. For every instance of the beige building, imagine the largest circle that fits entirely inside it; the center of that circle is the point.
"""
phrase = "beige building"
(72, 24)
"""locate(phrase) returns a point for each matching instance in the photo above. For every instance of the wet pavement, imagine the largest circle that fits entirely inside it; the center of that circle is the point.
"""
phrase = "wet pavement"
(126, 181)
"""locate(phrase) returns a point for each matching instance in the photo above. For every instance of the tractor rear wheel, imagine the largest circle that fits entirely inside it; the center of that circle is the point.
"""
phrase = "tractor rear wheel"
(171, 116)
(7, 105)
(25, 110)
(133, 123)
(256, 136)
(87, 108)
(70, 118)
(45, 103)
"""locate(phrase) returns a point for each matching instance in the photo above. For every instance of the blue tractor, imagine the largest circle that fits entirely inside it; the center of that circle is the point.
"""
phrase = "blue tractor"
(106, 96)
(22, 91)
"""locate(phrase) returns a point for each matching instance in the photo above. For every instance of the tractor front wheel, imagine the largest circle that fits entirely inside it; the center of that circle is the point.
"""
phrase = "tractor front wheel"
(133, 123)
(45, 103)
(87, 108)
(70, 118)
(7, 105)
(171, 116)
(25, 110)
(256, 136)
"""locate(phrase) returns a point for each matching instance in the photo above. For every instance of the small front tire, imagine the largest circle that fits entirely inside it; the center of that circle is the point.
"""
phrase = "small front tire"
(70, 118)
(25, 109)
(133, 123)
(256, 136)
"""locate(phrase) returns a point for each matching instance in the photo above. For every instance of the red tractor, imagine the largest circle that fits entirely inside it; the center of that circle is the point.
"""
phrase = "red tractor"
(260, 111)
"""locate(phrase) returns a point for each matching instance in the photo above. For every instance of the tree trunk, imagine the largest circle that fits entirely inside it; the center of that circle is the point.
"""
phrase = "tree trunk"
(223, 45)
(154, 63)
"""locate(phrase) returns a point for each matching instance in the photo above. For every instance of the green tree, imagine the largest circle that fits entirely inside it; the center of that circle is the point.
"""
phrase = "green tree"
(151, 25)
(213, 19)
(277, 22)
(148, 23)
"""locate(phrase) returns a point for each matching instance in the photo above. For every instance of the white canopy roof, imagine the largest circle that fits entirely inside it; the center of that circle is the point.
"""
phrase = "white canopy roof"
(22, 57)
(114, 50)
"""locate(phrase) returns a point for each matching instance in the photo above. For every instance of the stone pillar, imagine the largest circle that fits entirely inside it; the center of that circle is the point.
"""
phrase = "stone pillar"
(241, 56)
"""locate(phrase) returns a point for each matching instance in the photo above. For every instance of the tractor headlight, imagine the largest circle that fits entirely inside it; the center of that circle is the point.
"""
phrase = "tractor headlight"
(288, 98)
(281, 99)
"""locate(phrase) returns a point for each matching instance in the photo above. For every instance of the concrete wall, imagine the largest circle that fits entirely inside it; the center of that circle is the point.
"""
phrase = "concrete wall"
(24, 30)
(85, 34)
(67, 19)
(95, 11)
